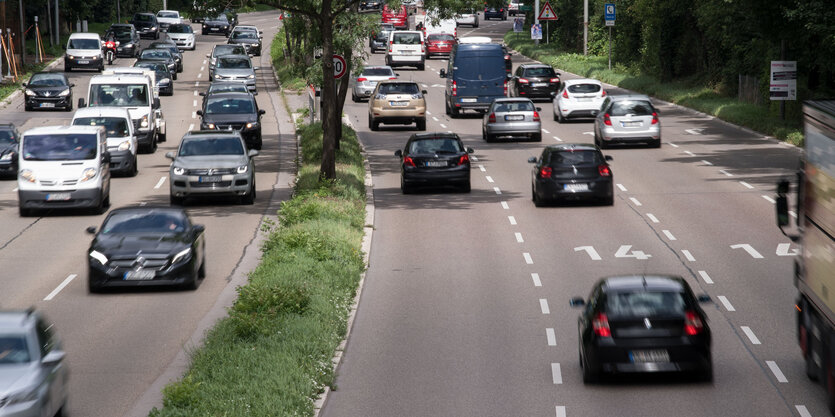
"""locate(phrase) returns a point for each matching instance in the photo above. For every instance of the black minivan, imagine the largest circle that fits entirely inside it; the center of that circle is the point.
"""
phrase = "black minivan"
(475, 77)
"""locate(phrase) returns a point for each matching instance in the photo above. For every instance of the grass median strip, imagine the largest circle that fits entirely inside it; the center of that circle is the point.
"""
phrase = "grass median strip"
(272, 354)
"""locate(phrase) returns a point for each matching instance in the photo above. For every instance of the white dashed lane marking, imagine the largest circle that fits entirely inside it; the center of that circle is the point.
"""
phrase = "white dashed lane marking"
(746, 185)
(528, 259)
(557, 139)
(690, 153)
(635, 201)
(727, 174)
(561, 411)
(705, 277)
(776, 371)
(505, 206)
(726, 303)
(543, 305)
(546, 131)
(191, 127)
(751, 336)
(555, 372)
(622, 188)
(60, 287)
(434, 118)
(159, 183)
(673, 145)
(652, 217)
(668, 234)
(481, 167)
(688, 255)
(512, 220)
(497, 190)
(519, 238)
(801, 409)
(551, 336)
(443, 125)
(706, 162)
(489, 178)
(536, 281)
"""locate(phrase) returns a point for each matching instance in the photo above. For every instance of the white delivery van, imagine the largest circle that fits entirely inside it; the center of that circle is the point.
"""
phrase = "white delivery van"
(63, 167)
(84, 50)
(134, 92)
(429, 24)
(121, 140)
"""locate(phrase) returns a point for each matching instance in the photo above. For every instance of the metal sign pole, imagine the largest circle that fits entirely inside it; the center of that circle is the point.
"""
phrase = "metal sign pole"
(610, 48)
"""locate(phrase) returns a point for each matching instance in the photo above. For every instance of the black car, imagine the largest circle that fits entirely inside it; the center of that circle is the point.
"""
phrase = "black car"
(508, 60)
(379, 38)
(250, 40)
(376, 5)
(146, 246)
(128, 39)
(233, 111)
(9, 143)
(163, 55)
(163, 75)
(434, 159)
(48, 90)
(226, 87)
(571, 171)
(534, 81)
(217, 25)
(146, 24)
(172, 47)
(495, 13)
(636, 323)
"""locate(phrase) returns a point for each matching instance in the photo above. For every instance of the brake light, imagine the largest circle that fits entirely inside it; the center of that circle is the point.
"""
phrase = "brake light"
(601, 325)
(535, 116)
(654, 118)
(564, 93)
(545, 172)
(606, 119)
(454, 89)
(491, 118)
(361, 79)
(604, 170)
(555, 80)
(692, 323)
(464, 159)
(505, 87)
(392, 78)
(523, 80)
(603, 94)
(390, 43)
(407, 160)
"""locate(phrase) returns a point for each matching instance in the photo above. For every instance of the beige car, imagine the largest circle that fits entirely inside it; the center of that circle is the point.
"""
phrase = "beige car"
(397, 102)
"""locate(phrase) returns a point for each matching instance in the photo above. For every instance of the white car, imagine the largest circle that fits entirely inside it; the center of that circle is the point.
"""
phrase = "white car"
(183, 35)
(121, 141)
(406, 48)
(166, 18)
(580, 98)
(468, 19)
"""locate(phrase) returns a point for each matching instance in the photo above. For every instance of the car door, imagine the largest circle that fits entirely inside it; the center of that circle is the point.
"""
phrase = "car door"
(515, 81)
(55, 377)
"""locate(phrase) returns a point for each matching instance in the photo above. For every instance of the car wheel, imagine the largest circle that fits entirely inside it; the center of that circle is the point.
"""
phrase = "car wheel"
(421, 67)
(249, 198)
(446, 107)
(174, 76)
(536, 137)
(176, 201)
(466, 188)
(559, 117)
(193, 283)
(589, 376)
(421, 125)
(26, 108)
(373, 124)
(103, 203)
(354, 98)
(258, 142)
(135, 169)
(537, 202)
(69, 106)
(655, 144)
(453, 112)
(92, 287)
(403, 187)
(24, 212)
(67, 68)
(706, 374)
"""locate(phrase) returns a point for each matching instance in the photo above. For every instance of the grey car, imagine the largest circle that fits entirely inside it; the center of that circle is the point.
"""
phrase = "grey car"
(172, 47)
(250, 40)
(33, 374)
(235, 68)
(513, 118)
(379, 38)
(212, 163)
(163, 55)
(627, 119)
(223, 49)
(369, 77)
(226, 87)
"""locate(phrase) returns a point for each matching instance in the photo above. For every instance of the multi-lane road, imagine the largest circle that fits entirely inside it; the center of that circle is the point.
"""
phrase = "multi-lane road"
(119, 343)
(465, 312)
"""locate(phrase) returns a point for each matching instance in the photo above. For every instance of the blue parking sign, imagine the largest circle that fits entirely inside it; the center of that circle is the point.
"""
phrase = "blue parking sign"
(609, 14)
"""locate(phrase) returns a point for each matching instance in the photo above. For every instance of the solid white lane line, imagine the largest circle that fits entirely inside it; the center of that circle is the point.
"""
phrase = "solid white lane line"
(497, 190)
(751, 336)
(512, 220)
(555, 371)
(727, 174)
(546, 131)
(673, 145)
(652, 217)
(60, 287)
(792, 213)
(801, 409)
(668, 234)
(443, 125)
(519, 238)
(191, 127)
(776, 371)
(769, 199)
(489, 178)
(635, 201)
(622, 188)
(481, 167)
(688, 255)
(748, 186)
(706, 277)
(434, 118)
(706, 162)
(726, 303)
(561, 411)
(552, 338)
(528, 259)
(557, 139)
(505, 206)
(535, 278)
(543, 305)
(159, 183)
(690, 153)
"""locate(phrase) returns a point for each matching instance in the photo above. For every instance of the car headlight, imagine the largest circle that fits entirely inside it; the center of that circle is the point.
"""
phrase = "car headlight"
(210, 125)
(224, 26)
(218, 76)
(251, 125)
(144, 122)
(29, 92)
(251, 76)
(124, 146)
(24, 396)
(64, 93)
(178, 170)
(153, 28)
(98, 256)
(88, 173)
(243, 169)
(7, 157)
(165, 81)
(181, 255)
(27, 175)
(205, 25)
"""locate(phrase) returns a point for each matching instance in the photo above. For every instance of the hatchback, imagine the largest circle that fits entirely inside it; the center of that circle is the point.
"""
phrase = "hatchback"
(127, 39)
(222, 49)
(250, 40)
(48, 90)
(434, 159)
(163, 75)
(495, 13)
(367, 80)
(162, 55)
(637, 323)
(534, 81)
(627, 119)
(235, 68)
(511, 118)
(439, 44)
(571, 171)
(146, 24)
(233, 112)
(578, 98)
(397, 102)
(469, 19)
(380, 37)
(183, 35)
(171, 46)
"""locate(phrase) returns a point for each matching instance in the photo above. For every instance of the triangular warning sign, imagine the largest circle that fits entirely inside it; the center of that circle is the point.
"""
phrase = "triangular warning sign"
(547, 13)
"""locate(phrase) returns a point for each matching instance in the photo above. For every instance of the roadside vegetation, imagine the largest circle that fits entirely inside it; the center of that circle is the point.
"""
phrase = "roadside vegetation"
(291, 71)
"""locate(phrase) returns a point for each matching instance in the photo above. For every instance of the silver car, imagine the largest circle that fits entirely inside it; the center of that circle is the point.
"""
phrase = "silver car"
(33, 374)
(212, 163)
(627, 119)
(235, 68)
(513, 118)
(223, 49)
(369, 77)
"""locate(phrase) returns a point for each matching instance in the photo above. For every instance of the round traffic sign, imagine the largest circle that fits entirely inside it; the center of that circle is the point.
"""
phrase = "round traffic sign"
(338, 66)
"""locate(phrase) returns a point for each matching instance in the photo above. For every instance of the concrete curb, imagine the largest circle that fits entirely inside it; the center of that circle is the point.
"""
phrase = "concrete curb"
(8, 100)
(366, 249)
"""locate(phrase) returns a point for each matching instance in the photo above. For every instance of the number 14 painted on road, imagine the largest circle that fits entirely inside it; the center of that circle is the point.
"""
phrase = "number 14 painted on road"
(622, 252)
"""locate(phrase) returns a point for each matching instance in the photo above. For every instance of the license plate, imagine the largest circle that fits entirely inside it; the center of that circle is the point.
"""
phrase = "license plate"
(140, 274)
(47, 104)
(584, 99)
(372, 83)
(468, 100)
(513, 117)
(58, 197)
(211, 178)
(399, 103)
(436, 163)
(84, 61)
(630, 124)
(214, 28)
(539, 84)
(655, 355)
(575, 187)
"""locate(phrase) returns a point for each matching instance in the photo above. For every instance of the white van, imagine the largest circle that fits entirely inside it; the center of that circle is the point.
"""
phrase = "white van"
(84, 50)
(406, 47)
(430, 24)
(121, 141)
(134, 92)
(134, 70)
(63, 167)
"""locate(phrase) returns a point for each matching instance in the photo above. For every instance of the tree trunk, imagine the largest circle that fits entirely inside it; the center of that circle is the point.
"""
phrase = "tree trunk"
(328, 168)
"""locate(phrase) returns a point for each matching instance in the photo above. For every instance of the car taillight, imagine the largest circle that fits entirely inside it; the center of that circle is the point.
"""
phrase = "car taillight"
(692, 323)
(407, 160)
(523, 80)
(361, 79)
(535, 116)
(604, 170)
(545, 172)
(606, 119)
(454, 89)
(654, 118)
(601, 325)
(390, 43)
(491, 118)
(564, 93)
(464, 159)
(603, 94)
(505, 87)
(555, 80)
(392, 78)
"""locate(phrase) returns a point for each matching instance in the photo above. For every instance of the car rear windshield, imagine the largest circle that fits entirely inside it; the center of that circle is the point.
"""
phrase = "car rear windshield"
(180, 28)
(583, 88)
(441, 37)
(120, 34)
(232, 87)
(168, 14)
(635, 108)
(539, 72)
(143, 17)
(13, 349)
(158, 67)
(576, 157)
(228, 50)
(60, 147)
(508, 106)
(223, 105)
(240, 63)
(377, 72)
(642, 303)
(116, 127)
(47, 80)
(84, 44)
(119, 95)
(406, 38)
(244, 34)
(211, 146)
(435, 145)
(155, 54)
(143, 222)
(399, 88)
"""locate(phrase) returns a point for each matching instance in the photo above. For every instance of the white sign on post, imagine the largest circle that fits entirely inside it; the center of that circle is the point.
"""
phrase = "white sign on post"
(338, 66)
(783, 82)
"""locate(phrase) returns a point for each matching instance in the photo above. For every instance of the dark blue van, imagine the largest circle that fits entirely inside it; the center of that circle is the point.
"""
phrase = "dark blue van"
(474, 78)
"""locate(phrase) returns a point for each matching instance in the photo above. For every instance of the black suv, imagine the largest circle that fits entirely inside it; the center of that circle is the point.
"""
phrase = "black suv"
(128, 39)
(217, 24)
(9, 142)
(233, 111)
(146, 24)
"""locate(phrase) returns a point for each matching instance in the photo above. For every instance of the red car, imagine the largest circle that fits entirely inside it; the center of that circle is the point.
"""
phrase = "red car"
(439, 44)
(399, 19)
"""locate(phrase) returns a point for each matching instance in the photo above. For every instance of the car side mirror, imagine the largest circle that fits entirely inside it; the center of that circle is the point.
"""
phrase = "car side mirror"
(253, 152)
(470, 150)
(398, 153)
(199, 113)
(608, 157)
(53, 358)
(203, 93)
(81, 103)
(198, 228)
(532, 160)
(424, 91)
(170, 155)
(703, 298)
(91, 230)
(539, 109)
(256, 68)
(262, 112)
(577, 302)
(105, 158)
(72, 85)
(442, 73)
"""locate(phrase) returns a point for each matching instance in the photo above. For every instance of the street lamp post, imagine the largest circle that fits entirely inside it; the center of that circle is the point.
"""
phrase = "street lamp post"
(585, 27)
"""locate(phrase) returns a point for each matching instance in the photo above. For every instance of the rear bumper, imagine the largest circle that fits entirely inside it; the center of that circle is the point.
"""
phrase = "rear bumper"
(457, 176)
(615, 357)
(554, 189)
(610, 135)
(538, 92)
(514, 129)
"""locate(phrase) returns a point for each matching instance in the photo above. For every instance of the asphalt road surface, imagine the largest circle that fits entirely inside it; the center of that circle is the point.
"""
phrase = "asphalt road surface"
(465, 307)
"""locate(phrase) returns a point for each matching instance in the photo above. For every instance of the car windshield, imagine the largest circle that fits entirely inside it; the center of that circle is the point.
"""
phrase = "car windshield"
(168, 14)
(642, 303)
(539, 72)
(211, 146)
(406, 38)
(116, 127)
(377, 72)
(441, 37)
(180, 28)
(583, 88)
(399, 88)
(244, 34)
(508, 106)
(7, 137)
(155, 54)
(143, 18)
(435, 145)
(13, 349)
(119, 34)
(83, 44)
(47, 80)
(153, 221)
(240, 63)
(635, 108)
(159, 68)
(565, 158)
(225, 105)
(120, 95)
(221, 18)
(61, 147)
(228, 50)
(232, 87)
(169, 46)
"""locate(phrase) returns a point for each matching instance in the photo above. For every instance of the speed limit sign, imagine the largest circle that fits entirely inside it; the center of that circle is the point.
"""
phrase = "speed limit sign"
(338, 66)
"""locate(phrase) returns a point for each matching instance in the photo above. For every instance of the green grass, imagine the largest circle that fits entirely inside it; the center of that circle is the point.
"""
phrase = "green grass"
(290, 76)
(689, 93)
(272, 355)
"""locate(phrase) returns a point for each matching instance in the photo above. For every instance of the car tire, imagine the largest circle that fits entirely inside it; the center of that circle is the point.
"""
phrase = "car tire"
(706, 374)
(589, 376)
(373, 124)
(558, 116)
(93, 288)
(536, 137)
(466, 188)
(104, 202)
(193, 283)
(26, 108)
(156, 35)
(69, 106)
(24, 212)
(174, 76)
(421, 125)
(67, 68)
(655, 144)
(201, 272)
(259, 142)
(135, 169)
(421, 67)
(446, 107)
(537, 202)
(354, 98)
(176, 201)
(249, 198)
(453, 112)
(406, 189)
